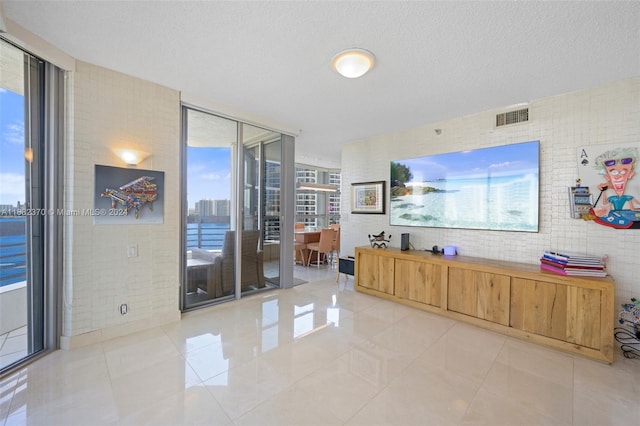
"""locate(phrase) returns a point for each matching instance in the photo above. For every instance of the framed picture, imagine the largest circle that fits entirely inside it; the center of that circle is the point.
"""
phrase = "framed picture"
(493, 188)
(367, 197)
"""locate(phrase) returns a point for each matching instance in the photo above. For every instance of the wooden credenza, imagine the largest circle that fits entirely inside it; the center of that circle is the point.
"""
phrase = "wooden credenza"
(574, 314)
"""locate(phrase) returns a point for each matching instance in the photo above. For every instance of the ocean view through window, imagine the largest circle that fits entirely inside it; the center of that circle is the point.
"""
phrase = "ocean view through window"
(12, 251)
(12, 185)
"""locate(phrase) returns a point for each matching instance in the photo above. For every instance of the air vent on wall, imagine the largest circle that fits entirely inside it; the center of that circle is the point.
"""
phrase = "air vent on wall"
(512, 117)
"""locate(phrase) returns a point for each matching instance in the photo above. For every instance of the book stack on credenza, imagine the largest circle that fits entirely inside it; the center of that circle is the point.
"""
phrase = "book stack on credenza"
(573, 264)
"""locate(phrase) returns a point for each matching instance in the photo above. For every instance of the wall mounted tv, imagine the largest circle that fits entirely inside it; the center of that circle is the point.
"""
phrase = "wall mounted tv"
(491, 188)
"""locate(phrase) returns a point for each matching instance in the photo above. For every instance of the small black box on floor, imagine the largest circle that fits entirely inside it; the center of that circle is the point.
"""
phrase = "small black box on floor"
(346, 266)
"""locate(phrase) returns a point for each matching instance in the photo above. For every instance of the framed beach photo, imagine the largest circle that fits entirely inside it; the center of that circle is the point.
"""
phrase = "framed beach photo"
(368, 197)
(494, 188)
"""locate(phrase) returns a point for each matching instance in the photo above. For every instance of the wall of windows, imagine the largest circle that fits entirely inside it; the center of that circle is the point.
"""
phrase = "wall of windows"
(317, 208)
(232, 182)
(31, 176)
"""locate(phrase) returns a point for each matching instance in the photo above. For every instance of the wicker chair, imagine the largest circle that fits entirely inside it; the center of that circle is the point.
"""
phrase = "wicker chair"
(252, 262)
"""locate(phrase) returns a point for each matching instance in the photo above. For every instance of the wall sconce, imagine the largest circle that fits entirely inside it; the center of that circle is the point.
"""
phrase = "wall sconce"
(131, 156)
(317, 186)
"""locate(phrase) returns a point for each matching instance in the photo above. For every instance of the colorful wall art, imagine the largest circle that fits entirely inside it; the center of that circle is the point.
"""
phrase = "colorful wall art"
(609, 171)
(128, 196)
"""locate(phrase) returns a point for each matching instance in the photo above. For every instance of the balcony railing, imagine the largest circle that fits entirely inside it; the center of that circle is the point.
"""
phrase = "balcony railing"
(209, 236)
(13, 256)
(13, 266)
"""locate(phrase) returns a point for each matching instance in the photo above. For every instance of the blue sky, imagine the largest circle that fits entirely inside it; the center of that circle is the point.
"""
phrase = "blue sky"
(11, 147)
(208, 174)
(507, 160)
(208, 170)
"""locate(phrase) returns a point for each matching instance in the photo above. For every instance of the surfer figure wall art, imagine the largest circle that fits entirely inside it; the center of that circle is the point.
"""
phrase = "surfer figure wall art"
(611, 170)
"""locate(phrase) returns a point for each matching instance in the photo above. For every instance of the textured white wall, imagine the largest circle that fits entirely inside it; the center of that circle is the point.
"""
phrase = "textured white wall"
(601, 115)
(112, 110)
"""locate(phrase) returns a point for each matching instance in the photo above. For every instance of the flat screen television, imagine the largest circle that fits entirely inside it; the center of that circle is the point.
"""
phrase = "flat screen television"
(490, 188)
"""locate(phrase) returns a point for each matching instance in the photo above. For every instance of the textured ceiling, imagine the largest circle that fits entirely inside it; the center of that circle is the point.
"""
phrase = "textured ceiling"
(435, 60)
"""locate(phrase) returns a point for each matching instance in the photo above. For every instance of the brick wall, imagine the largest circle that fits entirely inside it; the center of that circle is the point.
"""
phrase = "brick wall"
(595, 116)
(110, 110)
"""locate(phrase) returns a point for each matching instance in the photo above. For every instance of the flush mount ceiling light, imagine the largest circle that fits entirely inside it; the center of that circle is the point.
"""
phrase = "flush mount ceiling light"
(353, 63)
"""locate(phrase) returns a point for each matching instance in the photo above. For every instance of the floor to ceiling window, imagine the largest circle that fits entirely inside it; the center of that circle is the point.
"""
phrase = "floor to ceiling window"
(232, 204)
(31, 110)
(318, 203)
(208, 182)
(262, 197)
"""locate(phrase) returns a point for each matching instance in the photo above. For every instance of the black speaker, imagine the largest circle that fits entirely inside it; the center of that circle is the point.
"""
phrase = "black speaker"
(404, 242)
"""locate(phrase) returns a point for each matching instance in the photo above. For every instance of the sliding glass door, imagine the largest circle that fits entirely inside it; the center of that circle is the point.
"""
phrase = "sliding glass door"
(261, 201)
(232, 178)
(30, 194)
(209, 142)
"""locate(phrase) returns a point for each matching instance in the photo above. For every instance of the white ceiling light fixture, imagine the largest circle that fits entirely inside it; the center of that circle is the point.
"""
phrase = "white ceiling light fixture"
(353, 63)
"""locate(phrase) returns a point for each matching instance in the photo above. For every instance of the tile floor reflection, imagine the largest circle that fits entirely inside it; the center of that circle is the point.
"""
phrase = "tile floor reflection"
(322, 354)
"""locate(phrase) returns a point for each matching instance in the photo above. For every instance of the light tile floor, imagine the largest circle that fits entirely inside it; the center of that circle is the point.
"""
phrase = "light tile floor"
(13, 346)
(322, 354)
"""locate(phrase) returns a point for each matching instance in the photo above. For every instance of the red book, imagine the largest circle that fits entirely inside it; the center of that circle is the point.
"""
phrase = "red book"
(552, 269)
(550, 262)
(585, 267)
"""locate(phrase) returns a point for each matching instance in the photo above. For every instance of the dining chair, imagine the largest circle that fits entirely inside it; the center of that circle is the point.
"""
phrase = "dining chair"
(299, 248)
(324, 246)
(335, 246)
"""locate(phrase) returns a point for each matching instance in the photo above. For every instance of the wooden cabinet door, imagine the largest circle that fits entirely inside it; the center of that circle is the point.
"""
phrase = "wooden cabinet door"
(418, 281)
(584, 316)
(563, 312)
(539, 307)
(462, 293)
(386, 271)
(479, 294)
(376, 272)
(367, 270)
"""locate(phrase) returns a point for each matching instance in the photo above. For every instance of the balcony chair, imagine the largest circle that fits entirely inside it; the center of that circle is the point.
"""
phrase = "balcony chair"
(252, 263)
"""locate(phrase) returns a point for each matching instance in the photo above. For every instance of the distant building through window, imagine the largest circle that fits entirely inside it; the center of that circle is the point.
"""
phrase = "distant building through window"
(317, 209)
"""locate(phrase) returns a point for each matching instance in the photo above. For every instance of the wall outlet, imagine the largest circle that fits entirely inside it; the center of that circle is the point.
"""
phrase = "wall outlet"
(132, 250)
(123, 309)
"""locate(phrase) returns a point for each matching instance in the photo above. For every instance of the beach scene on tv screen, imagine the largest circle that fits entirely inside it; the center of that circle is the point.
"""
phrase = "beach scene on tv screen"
(490, 188)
